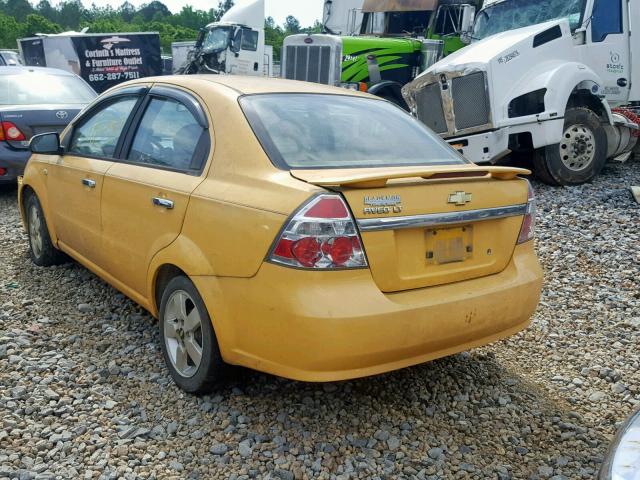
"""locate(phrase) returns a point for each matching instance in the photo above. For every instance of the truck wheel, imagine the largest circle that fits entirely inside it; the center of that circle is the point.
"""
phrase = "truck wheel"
(390, 97)
(581, 154)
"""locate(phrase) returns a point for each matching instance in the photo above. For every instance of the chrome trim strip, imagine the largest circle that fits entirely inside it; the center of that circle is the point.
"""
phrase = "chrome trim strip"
(438, 219)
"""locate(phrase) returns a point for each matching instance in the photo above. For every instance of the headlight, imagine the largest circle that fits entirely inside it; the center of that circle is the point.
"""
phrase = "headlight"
(623, 459)
(358, 87)
(351, 86)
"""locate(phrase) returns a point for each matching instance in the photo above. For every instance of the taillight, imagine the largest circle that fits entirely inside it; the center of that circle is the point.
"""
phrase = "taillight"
(11, 132)
(320, 235)
(527, 231)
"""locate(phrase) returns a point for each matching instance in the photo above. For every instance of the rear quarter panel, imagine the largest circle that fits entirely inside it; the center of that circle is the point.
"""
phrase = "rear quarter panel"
(234, 215)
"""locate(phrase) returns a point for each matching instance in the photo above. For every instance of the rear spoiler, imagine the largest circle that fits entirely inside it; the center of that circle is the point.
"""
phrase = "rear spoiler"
(378, 177)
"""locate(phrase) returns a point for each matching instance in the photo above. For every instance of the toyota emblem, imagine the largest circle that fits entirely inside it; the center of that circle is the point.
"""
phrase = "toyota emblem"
(61, 114)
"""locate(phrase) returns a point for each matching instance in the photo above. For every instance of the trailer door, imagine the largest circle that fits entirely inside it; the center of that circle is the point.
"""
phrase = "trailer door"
(33, 52)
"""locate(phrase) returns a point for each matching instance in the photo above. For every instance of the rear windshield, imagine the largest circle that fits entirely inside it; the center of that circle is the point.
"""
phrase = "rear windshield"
(336, 131)
(34, 88)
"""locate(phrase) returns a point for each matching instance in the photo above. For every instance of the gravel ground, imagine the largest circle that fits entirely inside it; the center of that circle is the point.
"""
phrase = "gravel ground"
(85, 393)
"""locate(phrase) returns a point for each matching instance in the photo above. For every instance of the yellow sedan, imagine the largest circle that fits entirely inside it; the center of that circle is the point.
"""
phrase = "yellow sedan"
(298, 229)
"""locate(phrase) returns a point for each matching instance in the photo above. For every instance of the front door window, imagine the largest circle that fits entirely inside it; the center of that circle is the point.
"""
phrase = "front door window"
(98, 135)
(606, 19)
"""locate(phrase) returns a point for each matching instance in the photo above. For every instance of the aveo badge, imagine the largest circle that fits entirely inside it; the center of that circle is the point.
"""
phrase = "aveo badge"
(382, 204)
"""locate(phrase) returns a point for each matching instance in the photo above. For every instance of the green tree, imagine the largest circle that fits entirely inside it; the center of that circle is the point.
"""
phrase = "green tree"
(223, 7)
(71, 13)
(154, 11)
(45, 9)
(274, 35)
(10, 31)
(126, 11)
(18, 9)
(292, 25)
(38, 24)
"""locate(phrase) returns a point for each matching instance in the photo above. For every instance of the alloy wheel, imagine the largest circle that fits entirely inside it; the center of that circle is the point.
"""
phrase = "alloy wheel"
(35, 231)
(183, 333)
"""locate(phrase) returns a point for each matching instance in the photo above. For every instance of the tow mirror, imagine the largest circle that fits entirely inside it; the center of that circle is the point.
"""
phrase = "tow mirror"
(46, 144)
(200, 40)
(236, 40)
(468, 17)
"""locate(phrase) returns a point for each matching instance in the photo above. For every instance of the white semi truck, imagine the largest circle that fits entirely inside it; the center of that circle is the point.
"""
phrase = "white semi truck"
(235, 45)
(552, 77)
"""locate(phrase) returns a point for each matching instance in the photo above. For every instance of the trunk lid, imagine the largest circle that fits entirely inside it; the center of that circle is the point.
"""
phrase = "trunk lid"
(427, 226)
(36, 119)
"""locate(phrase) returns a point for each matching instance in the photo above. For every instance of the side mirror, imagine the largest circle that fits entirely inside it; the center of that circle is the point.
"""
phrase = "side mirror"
(200, 39)
(236, 41)
(46, 144)
(468, 17)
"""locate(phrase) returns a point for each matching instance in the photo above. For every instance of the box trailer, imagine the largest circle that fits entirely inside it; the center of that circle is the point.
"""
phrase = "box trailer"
(101, 59)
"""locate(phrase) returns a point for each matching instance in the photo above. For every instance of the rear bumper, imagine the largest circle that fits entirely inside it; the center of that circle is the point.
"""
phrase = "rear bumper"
(13, 161)
(328, 326)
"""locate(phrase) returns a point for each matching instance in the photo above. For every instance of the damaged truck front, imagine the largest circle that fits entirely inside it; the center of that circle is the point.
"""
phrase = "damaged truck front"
(235, 45)
(550, 77)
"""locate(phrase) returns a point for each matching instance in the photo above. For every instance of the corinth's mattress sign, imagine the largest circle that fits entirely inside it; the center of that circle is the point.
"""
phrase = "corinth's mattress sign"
(108, 60)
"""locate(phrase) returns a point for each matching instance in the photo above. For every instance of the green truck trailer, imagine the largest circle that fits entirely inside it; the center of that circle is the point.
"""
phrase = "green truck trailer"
(397, 40)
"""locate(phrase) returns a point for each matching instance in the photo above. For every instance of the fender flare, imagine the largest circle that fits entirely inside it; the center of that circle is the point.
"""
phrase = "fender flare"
(181, 248)
(561, 80)
(392, 89)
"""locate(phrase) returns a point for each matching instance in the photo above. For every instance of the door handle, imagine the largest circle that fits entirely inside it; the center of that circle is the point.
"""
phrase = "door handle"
(162, 202)
(87, 182)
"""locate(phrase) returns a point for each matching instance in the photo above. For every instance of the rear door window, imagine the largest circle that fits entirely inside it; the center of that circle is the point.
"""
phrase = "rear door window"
(97, 134)
(168, 136)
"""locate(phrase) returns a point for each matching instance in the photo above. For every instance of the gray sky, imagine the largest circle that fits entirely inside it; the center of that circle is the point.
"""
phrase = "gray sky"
(307, 11)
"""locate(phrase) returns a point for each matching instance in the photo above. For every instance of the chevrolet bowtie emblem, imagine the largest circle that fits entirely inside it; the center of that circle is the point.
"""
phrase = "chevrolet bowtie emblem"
(459, 198)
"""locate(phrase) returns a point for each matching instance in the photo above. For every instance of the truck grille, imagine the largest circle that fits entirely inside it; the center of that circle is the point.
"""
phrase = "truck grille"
(455, 110)
(308, 63)
(470, 102)
(430, 111)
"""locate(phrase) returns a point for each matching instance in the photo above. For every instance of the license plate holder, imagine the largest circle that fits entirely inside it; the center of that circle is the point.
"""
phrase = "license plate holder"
(448, 245)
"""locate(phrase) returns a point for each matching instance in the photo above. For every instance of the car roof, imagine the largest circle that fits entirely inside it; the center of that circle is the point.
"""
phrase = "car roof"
(21, 69)
(244, 85)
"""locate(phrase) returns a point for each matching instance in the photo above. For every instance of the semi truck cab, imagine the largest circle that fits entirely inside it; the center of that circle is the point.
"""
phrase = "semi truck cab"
(235, 45)
(391, 49)
(550, 77)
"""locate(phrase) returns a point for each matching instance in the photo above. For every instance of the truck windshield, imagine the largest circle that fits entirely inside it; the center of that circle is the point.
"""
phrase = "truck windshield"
(513, 14)
(338, 131)
(217, 39)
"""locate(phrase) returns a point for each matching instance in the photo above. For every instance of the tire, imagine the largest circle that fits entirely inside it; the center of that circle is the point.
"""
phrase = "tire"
(41, 249)
(185, 331)
(390, 97)
(581, 154)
